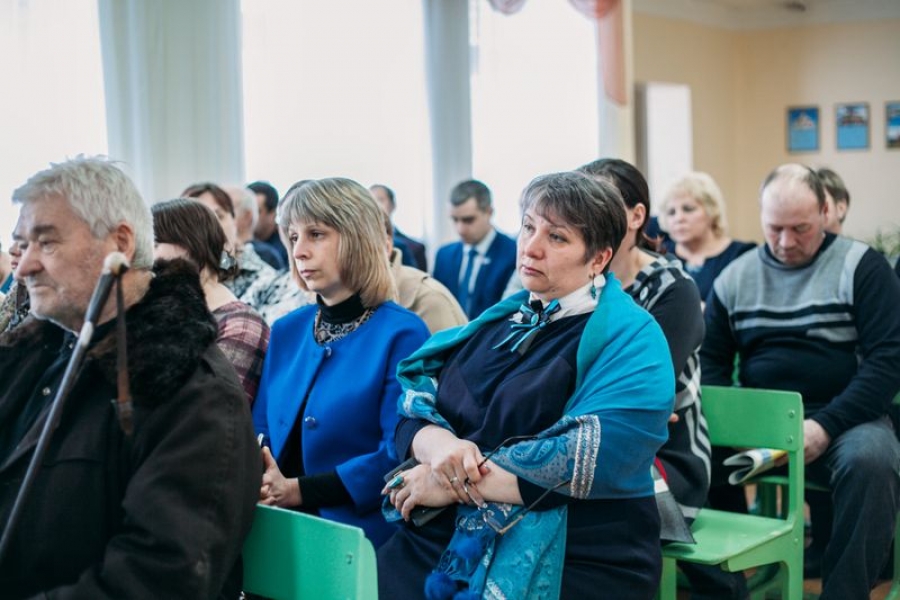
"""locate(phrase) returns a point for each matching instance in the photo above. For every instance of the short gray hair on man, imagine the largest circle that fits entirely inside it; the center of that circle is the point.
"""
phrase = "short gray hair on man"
(244, 200)
(101, 194)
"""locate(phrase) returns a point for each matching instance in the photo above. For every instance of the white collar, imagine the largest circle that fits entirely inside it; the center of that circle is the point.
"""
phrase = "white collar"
(577, 302)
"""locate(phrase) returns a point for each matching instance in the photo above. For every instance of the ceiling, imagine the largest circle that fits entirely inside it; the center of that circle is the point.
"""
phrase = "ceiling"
(765, 14)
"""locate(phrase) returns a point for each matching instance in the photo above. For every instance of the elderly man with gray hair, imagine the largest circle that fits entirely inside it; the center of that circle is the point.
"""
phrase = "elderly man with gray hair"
(156, 506)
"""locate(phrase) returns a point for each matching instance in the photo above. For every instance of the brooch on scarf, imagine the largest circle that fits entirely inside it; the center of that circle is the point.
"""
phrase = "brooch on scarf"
(526, 323)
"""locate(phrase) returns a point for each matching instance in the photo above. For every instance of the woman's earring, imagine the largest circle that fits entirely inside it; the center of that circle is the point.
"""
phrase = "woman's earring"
(593, 287)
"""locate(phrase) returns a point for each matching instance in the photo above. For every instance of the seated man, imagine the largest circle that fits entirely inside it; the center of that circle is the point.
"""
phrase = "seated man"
(477, 268)
(160, 511)
(817, 313)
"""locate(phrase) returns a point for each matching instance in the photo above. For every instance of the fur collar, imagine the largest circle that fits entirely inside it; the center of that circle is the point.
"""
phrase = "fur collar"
(168, 332)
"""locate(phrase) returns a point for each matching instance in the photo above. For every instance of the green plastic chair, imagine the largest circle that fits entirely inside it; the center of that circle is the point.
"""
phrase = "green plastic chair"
(743, 417)
(294, 556)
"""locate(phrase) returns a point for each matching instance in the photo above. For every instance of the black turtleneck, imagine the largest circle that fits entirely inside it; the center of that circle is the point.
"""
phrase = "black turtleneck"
(342, 312)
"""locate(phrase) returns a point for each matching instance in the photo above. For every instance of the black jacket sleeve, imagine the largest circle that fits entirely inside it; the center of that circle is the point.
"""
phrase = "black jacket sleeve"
(876, 298)
(679, 315)
(719, 345)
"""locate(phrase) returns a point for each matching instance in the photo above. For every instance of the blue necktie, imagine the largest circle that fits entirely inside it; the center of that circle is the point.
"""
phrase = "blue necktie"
(466, 282)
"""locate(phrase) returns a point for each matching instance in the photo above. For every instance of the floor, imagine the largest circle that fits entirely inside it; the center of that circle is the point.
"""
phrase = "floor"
(814, 586)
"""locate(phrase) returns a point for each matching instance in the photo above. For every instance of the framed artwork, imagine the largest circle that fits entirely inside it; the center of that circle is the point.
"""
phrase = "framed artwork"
(803, 129)
(892, 124)
(851, 126)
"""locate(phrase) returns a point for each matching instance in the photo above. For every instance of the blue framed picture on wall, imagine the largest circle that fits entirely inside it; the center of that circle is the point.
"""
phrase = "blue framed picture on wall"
(803, 129)
(892, 124)
(852, 126)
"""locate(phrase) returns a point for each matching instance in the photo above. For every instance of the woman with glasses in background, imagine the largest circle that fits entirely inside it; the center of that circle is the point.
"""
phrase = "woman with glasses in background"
(536, 424)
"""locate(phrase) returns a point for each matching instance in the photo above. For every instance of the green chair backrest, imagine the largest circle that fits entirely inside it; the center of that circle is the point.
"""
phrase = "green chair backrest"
(757, 418)
(291, 556)
(746, 417)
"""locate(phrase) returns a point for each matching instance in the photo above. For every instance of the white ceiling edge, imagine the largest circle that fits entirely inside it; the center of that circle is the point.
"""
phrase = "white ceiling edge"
(769, 15)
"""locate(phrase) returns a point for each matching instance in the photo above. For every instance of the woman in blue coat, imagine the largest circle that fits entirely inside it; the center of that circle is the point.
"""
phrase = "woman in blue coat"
(328, 396)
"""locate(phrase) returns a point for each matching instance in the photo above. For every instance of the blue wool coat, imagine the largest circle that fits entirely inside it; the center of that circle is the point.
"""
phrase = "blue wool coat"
(494, 274)
(349, 419)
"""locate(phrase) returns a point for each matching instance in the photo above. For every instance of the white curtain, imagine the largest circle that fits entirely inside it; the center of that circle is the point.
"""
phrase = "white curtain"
(172, 72)
(338, 89)
(52, 106)
(447, 54)
(534, 97)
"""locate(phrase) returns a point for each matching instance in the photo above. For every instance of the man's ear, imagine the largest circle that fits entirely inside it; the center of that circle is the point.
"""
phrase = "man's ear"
(841, 210)
(123, 237)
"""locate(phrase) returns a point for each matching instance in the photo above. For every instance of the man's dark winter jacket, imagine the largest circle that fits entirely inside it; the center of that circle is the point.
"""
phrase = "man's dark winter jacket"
(160, 515)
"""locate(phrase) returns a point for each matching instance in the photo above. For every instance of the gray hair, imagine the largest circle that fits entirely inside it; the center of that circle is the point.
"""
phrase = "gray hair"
(244, 201)
(101, 194)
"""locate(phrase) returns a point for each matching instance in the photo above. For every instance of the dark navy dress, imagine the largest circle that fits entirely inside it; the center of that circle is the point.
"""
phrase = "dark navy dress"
(488, 395)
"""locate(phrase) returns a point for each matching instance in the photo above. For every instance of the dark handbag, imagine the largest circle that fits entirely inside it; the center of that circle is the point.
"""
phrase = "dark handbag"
(420, 515)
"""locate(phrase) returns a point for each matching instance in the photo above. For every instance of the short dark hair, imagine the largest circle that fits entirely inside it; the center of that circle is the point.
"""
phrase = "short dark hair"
(387, 192)
(188, 223)
(219, 195)
(631, 185)
(834, 184)
(268, 191)
(798, 172)
(471, 188)
(592, 206)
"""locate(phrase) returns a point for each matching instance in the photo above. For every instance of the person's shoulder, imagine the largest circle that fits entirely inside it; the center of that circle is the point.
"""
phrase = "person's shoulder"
(750, 258)
(740, 247)
(449, 247)
(296, 318)
(505, 241)
(736, 248)
(397, 316)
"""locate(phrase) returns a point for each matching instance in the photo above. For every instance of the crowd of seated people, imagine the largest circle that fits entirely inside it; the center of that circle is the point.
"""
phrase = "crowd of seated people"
(500, 428)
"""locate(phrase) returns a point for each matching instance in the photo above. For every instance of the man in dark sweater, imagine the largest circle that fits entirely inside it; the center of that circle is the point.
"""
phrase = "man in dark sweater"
(817, 313)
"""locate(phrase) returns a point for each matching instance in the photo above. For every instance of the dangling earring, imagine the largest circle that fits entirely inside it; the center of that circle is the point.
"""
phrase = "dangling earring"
(593, 287)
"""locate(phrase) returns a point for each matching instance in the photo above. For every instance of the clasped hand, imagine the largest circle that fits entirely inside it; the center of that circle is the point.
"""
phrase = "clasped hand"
(424, 486)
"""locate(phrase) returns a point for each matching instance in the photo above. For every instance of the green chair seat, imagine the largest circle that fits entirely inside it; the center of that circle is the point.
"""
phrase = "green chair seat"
(729, 539)
(743, 417)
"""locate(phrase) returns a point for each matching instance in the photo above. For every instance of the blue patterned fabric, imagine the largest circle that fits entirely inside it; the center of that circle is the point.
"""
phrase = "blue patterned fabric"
(603, 444)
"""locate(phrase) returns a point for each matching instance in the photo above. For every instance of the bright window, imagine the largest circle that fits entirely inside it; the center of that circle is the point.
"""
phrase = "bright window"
(534, 97)
(338, 89)
(52, 106)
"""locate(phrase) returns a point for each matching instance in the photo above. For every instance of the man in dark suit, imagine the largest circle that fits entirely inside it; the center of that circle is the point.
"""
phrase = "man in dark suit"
(477, 268)
(413, 251)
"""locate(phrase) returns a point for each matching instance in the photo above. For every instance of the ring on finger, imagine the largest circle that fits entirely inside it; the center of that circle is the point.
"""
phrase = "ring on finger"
(454, 480)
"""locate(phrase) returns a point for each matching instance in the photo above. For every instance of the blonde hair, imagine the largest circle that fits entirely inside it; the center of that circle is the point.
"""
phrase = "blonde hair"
(702, 188)
(348, 208)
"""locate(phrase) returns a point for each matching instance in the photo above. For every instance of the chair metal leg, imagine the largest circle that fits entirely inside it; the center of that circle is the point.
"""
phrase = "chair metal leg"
(894, 592)
(668, 583)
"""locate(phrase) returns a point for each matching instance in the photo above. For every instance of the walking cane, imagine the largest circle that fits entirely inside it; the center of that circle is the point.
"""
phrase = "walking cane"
(114, 266)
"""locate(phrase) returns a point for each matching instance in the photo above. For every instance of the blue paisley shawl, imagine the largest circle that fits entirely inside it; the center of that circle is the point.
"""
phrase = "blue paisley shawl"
(604, 444)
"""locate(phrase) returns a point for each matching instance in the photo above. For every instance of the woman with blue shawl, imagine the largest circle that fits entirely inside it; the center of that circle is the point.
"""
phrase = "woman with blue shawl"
(530, 433)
